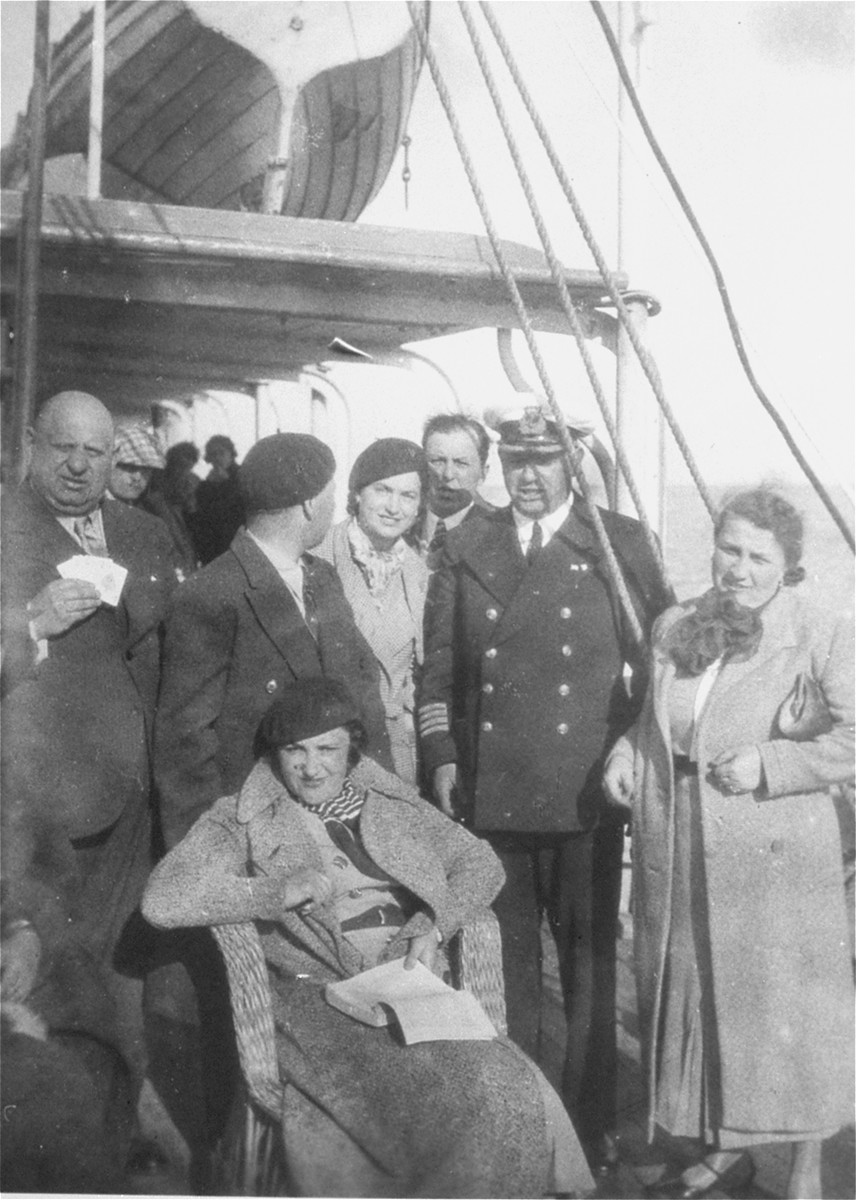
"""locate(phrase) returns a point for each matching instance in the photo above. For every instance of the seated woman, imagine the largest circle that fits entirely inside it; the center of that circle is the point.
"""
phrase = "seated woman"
(384, 578)
(344, 867)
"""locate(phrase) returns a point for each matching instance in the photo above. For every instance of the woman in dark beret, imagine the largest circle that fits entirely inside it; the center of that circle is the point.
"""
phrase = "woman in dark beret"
(345, 867)
(385, 580)
(741, 938)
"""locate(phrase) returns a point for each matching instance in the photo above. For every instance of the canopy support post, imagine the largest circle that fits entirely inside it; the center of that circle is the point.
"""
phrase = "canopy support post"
(29, 243)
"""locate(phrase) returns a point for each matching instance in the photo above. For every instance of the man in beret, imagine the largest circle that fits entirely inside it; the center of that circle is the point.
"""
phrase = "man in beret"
(523, 690)
(264, 613)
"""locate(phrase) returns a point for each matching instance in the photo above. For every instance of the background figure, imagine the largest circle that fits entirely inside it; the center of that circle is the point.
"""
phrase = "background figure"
(136, 460)
(219, 505)
(522, 693)
(172, 497)
(67, 1098)
(741, 939)
(384, 579)
(345, 867)
(456, 449)
(79, 682)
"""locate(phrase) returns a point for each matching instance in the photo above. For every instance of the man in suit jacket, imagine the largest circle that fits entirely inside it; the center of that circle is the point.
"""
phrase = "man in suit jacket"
(264, 613)
(456, 448)
(523, 691)
(80, 678)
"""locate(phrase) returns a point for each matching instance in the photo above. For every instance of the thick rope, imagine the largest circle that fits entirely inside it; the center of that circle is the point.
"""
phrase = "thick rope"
(562, 288)
(646, 361)
(730, 316)
(613, 567)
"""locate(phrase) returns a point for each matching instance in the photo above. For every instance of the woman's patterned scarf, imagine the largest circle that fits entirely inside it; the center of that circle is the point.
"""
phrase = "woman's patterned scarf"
(718, 628)
(345, 808)
(378, 566)
(341, 818)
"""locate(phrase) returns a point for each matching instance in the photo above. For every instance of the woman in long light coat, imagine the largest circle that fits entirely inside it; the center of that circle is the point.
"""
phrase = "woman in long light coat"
(384, 579)
(742, 950)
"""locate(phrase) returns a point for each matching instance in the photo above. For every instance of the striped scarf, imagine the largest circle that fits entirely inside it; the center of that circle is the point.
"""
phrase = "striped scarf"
(345, 808)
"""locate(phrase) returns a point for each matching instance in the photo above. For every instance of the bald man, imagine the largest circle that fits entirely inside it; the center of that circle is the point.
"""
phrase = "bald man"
(78, 687)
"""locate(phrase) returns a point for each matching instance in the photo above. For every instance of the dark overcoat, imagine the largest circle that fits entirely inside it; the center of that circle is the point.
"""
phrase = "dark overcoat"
(76, 724)
(779, 947)
(234, 637)
(523, 684)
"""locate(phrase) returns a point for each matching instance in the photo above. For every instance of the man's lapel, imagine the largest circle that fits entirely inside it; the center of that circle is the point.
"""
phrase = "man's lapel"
(275, 609)
(496, 560)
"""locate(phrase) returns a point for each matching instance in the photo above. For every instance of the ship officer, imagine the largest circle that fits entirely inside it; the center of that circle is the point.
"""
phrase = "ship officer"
(524, 689)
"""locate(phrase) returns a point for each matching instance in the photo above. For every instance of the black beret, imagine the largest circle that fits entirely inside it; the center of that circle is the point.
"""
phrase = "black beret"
(305, 709)
(386, 458)
(283, 470)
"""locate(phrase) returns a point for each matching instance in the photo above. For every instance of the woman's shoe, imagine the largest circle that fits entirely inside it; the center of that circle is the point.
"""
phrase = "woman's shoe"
(738, 1175)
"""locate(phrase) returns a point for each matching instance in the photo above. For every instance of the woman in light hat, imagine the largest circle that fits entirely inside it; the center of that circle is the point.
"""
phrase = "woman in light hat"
(384, 578)
(136, 458)
(345, 867)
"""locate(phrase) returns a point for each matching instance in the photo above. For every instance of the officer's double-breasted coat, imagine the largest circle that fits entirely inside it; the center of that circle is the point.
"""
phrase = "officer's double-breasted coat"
(524, 683)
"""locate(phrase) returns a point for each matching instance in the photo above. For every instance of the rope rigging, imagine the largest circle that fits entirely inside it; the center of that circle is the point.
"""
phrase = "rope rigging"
(612, 565)
(647, 363)
(731, 318)
(562, 288)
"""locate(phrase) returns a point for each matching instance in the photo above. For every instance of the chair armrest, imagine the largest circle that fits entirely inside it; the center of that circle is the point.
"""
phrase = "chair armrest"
(476, 961)
(252, 1012)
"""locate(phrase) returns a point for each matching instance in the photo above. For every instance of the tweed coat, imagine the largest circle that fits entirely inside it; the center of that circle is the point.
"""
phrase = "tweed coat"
(782, 982)
(76, 725)
(394, 633)
(522, 684)
(234, 637)
(364, 1113)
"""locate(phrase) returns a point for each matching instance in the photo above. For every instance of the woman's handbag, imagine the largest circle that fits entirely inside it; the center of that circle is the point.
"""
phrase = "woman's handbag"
(803, 713)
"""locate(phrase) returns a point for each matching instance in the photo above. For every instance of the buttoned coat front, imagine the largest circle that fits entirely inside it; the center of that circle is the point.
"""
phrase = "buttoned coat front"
(781, 972)
(523, 679)
(234, 638)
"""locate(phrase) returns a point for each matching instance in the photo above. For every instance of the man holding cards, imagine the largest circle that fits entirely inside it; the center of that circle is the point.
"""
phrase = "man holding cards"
(85, 585)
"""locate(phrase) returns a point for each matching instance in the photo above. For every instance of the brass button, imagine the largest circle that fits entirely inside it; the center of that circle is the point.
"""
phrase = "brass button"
(564, 689)
(270, 686)
(563, 729)
(491, 653)
(491, 614)
(487, 727)
(566, 651)
(565, 613)
(488, 689)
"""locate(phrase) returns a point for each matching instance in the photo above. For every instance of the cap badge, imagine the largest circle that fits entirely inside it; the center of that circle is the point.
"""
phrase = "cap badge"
(533, 423)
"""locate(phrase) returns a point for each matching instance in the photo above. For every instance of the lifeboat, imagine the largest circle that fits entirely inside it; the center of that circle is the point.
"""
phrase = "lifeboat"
(289, 108)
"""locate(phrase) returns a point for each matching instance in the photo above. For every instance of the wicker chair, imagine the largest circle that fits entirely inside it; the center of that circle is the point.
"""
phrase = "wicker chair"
(251, 1161)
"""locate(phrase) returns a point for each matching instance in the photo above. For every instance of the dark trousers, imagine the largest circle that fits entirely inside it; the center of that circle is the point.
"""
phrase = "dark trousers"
(575, 880)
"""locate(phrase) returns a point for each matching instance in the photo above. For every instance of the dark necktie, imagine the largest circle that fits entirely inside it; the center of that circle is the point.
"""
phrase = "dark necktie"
(535, 544)
(310, 613)
(438, 541)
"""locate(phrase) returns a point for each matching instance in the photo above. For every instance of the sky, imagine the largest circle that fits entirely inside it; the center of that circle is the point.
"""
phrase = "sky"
(753, 104)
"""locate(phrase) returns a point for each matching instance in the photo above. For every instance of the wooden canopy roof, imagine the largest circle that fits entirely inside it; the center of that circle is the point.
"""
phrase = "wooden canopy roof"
(140, 301)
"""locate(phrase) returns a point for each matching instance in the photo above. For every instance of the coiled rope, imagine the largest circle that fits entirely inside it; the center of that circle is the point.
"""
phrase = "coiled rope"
(562, 288)
(730, 316)
(613, 567)
(646, 361)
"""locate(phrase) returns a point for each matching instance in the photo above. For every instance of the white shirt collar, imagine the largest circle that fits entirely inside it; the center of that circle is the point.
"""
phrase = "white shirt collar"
(550, 523)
